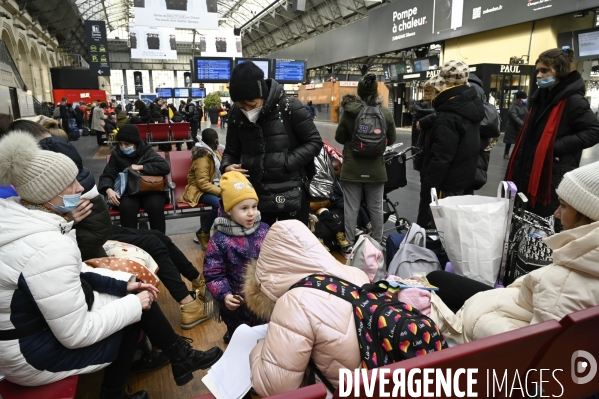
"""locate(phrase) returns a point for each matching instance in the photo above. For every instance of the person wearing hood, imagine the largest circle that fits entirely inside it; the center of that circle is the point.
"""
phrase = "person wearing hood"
(515, 120)
(203, 182)
(559, 125)
(238, 240)
(63, 318)
(451, 149)
(135, 154)
(570, 284)
(122, 119)
(304, 323)
(362, 175)
(273, 140)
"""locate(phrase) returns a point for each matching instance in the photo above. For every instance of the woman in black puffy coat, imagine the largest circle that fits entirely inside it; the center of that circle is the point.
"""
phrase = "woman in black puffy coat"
(272, 139)
(136, 154)
(560, 125)
(515, 119)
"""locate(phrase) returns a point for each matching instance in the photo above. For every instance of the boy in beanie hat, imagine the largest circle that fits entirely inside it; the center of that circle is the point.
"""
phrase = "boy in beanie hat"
(238, 240)
(579, 197)
(362, 176)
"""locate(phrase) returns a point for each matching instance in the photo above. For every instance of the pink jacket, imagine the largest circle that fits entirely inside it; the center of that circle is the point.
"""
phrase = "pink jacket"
(304, 322)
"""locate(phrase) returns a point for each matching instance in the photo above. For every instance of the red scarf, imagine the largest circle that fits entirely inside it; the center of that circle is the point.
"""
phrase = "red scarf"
(539, 184)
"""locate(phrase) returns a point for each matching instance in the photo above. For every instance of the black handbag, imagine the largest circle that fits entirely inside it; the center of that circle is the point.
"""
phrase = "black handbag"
(288, 201)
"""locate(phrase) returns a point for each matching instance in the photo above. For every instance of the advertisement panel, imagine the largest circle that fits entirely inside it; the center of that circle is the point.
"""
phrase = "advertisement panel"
(97, 46)
(153, 43)
(409, 23)
(182, 14)
(221, 43)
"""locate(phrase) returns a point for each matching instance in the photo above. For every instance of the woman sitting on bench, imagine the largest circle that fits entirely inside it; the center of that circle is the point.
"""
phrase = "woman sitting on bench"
(135, 153)
(61, 317)
(570, 284)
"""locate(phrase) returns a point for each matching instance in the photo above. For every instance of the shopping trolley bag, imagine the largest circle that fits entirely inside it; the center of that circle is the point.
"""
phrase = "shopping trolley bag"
(473, 230)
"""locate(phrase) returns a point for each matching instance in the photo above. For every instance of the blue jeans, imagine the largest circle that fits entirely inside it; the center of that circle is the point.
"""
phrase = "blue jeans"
(213, 201)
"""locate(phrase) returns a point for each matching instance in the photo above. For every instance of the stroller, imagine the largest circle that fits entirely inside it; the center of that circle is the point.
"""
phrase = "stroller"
(395, 164)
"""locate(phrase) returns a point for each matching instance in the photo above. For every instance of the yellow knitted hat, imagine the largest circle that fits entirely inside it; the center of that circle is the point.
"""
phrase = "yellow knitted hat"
(235, 188)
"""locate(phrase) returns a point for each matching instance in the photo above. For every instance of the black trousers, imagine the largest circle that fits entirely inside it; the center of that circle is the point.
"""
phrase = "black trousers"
(171, 261)
(155, 325)
(153, 204)
(194, 126)
(425, 216)
(455, 290)
(271, 218)
(507, 149)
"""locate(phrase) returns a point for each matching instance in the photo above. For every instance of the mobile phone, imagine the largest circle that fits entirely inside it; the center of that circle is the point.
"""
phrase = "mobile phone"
(239, 298)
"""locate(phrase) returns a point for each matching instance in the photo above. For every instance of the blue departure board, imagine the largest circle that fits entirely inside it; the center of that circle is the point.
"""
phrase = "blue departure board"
(164, 93)
(213, 69)
(289, 71)
(182, 93)
(198, 93)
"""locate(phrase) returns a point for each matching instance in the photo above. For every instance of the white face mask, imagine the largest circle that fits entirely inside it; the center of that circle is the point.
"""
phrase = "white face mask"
(253, 114)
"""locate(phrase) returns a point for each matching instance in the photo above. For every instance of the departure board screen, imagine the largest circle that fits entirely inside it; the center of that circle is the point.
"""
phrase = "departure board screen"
(198, 93)
(290, 71)
(164, 93)
(213, 70)
(182, 93)
(263, 64)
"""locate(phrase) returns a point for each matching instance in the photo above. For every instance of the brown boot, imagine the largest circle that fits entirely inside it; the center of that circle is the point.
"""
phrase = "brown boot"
(199, 287)
(193, 313)
(341, 240)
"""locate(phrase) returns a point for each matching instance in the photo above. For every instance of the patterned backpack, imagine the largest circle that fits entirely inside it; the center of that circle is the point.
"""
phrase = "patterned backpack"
(389, 331)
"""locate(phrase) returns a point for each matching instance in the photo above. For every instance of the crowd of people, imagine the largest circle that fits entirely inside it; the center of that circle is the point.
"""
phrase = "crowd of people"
(256, 237)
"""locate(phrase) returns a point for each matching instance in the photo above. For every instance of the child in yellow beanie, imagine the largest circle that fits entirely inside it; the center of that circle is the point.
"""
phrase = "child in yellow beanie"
(238, 240)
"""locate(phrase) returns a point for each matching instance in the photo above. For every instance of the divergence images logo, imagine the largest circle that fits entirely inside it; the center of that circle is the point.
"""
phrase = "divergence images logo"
(580, 367)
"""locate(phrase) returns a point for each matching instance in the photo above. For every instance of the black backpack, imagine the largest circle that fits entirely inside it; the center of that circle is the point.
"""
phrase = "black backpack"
(370, 132)
(389, 331)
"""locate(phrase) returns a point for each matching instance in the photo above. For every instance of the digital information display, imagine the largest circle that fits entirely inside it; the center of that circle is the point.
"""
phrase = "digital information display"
(213, 69)
(198, 93)
(262, 64)
(588, 44)
(182, 93)
(164, 93)
(289, 71)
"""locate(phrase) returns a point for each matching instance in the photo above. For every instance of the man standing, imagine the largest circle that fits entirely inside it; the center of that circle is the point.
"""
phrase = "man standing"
(451, 148)
(64, 114)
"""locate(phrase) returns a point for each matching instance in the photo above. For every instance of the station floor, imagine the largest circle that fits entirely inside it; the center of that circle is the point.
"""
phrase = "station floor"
(160, 384)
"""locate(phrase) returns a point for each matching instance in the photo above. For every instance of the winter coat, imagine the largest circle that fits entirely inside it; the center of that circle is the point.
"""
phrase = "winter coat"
(78, 115)
(278, 148)
(156, 166)
(515, 119)
(311, 110)
(570, 284)
(578, 129)
(194, 113)
(93, 231)
(451, 149)
(40, 279)
(304, 323)
(60, 145)
(227, 258)
(200, 179)
(421, 109)
(361, 169)
(98, 119)
(122, 119)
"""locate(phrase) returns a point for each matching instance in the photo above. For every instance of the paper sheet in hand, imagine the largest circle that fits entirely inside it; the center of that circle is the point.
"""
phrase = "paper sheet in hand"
(230, 377)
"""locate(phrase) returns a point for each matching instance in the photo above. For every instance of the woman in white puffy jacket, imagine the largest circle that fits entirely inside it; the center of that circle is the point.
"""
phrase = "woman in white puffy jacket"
(570, 284)
(59, 317)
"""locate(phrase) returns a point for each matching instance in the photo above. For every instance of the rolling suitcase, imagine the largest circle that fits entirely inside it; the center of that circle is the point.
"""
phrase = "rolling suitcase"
(73, 131)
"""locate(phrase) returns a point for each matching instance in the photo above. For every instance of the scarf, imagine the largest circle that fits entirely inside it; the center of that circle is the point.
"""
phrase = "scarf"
(539, 184)
(231, 228)
(217, 174)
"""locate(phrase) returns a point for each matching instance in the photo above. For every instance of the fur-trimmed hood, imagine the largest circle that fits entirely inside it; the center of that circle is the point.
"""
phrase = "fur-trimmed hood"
(289, 253)
(353, 103)
(199, 152)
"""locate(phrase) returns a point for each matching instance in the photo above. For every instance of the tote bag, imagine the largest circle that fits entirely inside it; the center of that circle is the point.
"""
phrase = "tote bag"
(473, 230)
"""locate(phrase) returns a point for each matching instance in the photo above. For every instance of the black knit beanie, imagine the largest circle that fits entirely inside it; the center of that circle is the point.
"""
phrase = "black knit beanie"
(520, 95)
(130, 134)
(368, 86)
(247, 82)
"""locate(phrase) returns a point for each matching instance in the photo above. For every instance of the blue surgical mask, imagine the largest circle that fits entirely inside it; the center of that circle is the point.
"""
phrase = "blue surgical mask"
(70, 203)
(546, 82)
(128, 150)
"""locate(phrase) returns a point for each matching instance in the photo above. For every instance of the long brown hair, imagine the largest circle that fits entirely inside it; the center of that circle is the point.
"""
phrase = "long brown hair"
(558, 59)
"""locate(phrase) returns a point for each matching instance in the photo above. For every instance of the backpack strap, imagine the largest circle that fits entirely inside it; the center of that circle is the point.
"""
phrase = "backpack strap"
(329, 284)
(323, 379)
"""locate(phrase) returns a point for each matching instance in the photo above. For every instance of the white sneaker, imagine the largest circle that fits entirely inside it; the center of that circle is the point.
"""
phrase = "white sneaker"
(359, 232)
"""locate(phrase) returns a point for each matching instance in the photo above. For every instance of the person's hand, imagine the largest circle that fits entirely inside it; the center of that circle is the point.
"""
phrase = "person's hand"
(231, 303)
(146, 299)
(138, 286)
(83, 210)
(418, 125)
(137, 167)
(236, 168)
(113, 197)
